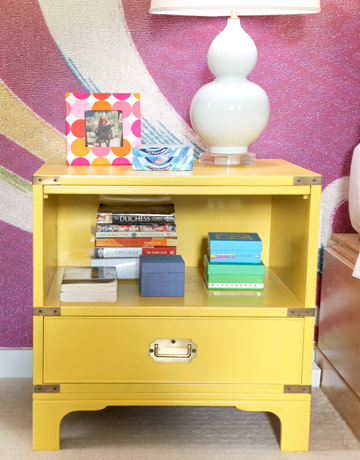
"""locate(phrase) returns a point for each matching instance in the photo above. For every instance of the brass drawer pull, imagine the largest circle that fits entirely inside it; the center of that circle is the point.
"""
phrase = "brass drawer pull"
(172, 350)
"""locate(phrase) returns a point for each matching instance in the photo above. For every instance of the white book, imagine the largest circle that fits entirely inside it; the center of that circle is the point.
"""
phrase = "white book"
(89, 279)
(88, 296)
(126, 268)
(130, 252)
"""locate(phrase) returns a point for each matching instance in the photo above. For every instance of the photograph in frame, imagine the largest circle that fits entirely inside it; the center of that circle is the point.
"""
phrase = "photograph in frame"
(102, 128)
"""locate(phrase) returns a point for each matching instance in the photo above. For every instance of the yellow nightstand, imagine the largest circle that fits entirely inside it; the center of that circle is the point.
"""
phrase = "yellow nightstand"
(253, 349)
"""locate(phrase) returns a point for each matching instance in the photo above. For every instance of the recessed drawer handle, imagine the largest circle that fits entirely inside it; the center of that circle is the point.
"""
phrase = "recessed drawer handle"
(172, 353)
(172, 350)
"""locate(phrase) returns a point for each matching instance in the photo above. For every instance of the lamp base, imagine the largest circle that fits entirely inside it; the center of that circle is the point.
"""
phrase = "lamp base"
(231, 159)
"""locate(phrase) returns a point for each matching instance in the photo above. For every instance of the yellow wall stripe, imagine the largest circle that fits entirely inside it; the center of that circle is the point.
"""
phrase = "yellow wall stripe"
(21, 125)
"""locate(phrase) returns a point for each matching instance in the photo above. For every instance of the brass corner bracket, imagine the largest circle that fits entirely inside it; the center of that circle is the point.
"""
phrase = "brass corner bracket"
(307, 180)
(300, 312)
(302, 389)
(46, 388)
(47, 311)
(46, 180)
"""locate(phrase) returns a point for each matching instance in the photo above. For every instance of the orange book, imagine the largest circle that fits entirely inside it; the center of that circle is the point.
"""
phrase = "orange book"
(135, 242)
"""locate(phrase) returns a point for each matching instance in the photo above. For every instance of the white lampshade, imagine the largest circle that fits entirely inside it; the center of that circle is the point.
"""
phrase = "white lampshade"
(243, 7)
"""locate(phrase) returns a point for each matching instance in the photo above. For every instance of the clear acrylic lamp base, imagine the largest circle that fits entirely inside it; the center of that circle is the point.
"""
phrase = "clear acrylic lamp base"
(230, 159)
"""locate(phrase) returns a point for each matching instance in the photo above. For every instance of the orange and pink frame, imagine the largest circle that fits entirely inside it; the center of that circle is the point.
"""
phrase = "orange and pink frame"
(78, 153)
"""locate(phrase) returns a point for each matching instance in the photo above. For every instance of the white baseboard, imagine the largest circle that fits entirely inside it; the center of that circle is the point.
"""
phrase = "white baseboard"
(16, 363)
(316, 376)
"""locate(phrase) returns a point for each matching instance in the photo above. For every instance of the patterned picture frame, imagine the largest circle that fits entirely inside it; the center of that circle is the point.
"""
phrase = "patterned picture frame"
(89, 142)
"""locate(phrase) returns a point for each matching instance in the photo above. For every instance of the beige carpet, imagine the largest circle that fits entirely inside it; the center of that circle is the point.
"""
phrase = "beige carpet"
(169, 433)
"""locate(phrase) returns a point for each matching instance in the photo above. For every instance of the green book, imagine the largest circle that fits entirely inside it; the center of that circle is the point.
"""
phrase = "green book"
(233, 269)
(234, 286)
(243, 279)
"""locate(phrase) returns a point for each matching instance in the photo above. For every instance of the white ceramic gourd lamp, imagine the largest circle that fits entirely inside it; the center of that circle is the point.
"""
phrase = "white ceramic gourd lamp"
(231, 112)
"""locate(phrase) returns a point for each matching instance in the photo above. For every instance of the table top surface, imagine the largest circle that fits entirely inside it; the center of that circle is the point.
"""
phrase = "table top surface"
(262, 172)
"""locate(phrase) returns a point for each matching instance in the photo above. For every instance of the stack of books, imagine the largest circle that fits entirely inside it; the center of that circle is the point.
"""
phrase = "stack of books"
(124, 233)
(234, 261)
(87, 284)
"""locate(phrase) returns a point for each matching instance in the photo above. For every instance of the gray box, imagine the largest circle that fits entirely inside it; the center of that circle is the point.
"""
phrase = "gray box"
(162, 276)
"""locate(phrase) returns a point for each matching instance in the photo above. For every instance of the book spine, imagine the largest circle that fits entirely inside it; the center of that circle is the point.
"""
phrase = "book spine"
(126, 268)
(248, 279)
(234, 256)
(235, 260)
(108, 253)
(212, 268)
(217, 246)
(245, 286)
(136, 228)
(128, 234)
(160, 251)
(120, 219)
(133, 242)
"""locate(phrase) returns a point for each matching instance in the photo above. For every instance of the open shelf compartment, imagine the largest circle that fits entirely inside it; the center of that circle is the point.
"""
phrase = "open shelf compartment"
(283, 222)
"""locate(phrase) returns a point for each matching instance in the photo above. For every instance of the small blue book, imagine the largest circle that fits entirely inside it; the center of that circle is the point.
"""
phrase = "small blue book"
(234, 242)
(230, 268)
(235, 257)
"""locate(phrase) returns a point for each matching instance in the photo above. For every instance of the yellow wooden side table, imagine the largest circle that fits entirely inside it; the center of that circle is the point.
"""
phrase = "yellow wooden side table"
(253, 348)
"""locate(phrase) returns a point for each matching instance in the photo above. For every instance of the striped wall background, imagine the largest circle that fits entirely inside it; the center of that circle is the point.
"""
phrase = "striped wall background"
(309, 66)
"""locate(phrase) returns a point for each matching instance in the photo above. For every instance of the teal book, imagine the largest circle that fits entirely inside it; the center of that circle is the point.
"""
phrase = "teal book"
(235, 257)
(233, 268)
(224, 241)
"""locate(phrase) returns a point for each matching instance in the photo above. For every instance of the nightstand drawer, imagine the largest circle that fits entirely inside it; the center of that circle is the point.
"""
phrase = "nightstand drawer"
(221, 350)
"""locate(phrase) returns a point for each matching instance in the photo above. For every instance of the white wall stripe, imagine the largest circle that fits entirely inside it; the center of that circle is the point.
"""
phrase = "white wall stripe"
(118, 67)
(16, 206)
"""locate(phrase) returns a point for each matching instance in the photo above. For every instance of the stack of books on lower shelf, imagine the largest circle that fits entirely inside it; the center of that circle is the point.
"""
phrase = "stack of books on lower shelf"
(234, 261)
(87, 284)
(124, 233)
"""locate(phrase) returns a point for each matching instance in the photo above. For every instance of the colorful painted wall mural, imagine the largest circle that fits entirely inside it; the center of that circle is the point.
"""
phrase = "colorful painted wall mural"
(309, 66)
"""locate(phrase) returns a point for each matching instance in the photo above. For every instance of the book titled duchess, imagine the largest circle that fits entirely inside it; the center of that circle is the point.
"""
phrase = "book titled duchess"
(131, 228)
(224, 241)
(131, 214)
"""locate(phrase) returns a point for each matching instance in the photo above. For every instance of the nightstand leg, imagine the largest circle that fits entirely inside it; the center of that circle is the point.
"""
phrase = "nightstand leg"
(294, 418)
(47, 416)
(295, 426)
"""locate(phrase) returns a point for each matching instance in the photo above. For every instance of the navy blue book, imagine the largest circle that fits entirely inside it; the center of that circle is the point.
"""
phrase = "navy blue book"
(234, 242)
